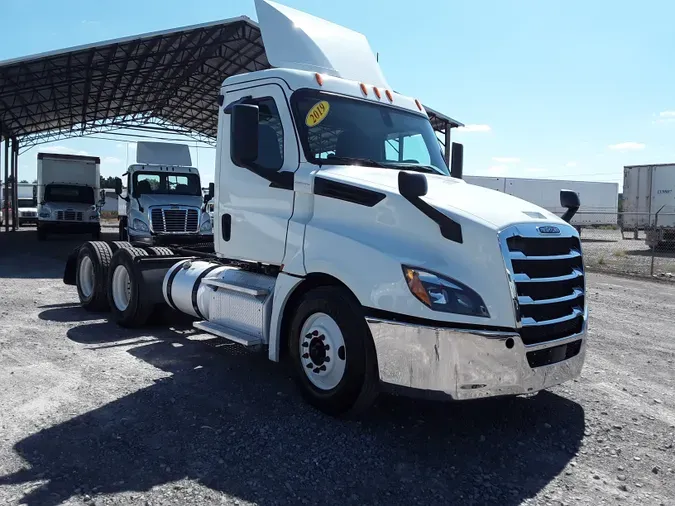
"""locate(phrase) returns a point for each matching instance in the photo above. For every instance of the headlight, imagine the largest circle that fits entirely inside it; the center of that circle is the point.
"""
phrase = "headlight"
(45, 214)
(140, 225)
(444, 294)
(205, 226)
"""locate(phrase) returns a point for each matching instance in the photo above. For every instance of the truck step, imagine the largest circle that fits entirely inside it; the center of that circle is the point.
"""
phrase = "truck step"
(229, 334)
(235, 287)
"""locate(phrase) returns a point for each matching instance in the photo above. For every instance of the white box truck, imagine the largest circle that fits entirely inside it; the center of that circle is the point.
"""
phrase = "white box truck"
(27, 204)
(364, 269)
(69, 198)
(601, 199)
(649, 202)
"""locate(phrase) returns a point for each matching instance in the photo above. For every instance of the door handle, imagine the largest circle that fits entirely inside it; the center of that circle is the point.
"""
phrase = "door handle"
(226, 226)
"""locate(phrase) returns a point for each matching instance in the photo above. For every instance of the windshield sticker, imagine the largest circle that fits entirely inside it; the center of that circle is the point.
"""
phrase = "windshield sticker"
(317, 114)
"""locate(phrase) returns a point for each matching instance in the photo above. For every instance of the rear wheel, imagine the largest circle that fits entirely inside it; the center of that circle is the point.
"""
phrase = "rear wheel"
(160, 251)
(332, 352)
(125, 289)
(91, 275)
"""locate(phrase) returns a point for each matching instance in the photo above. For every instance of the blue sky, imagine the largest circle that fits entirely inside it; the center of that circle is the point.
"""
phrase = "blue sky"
(547, 88)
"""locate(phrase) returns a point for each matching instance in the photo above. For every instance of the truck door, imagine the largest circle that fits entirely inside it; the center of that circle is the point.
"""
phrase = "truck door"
(252, 213)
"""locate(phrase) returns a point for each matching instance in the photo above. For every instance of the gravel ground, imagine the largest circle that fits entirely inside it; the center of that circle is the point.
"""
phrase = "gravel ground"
(94, 414)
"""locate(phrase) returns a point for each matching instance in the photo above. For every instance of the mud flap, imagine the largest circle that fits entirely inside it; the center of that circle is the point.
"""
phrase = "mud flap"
(71, 266)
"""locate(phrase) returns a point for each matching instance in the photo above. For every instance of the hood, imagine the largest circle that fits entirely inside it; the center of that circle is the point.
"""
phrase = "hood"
(453, 196)
(172, 200)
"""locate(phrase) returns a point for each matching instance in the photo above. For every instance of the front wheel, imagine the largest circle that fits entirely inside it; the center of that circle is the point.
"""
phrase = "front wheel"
(332, 352)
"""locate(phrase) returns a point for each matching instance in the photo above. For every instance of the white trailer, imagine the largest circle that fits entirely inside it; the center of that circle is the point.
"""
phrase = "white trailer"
(363, 267)
(649, 201)
(600, 198)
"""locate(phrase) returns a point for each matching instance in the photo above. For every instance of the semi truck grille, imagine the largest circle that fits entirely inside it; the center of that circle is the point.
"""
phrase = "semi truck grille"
(175, 220)
(69, 216)
(549, 277)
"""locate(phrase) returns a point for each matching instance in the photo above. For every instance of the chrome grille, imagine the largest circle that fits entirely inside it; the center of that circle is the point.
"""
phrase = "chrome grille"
(549, 276)
(69, 215)
(174, 220)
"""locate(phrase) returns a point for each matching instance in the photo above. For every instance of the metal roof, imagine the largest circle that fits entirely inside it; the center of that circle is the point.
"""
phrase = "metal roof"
(168, 80)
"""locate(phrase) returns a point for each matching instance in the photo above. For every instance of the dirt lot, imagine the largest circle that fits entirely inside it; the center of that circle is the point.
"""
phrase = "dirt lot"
(94, 414)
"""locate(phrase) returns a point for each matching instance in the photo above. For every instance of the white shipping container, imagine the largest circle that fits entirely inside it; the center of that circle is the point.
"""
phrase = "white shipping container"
(599, 200)
(646, 190)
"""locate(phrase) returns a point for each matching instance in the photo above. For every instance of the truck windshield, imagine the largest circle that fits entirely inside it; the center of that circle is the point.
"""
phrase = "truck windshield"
(26, 203)
(336, 129)
(152, 183)
(70, 194)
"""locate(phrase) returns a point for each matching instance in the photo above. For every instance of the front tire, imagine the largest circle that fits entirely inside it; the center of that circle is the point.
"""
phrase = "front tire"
(332, 352)
(91, 275)
(125, 289)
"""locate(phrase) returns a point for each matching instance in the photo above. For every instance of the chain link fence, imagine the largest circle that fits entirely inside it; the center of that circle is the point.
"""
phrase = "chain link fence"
(640, 244)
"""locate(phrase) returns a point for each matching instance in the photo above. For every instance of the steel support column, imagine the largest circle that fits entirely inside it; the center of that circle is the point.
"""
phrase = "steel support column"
(4, 191)
(15, 184)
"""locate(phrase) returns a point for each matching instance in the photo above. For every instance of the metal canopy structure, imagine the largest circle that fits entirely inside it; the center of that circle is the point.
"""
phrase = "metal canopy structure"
(165, 81)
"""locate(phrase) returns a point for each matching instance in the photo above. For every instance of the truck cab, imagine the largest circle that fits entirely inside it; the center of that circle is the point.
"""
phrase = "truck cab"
(344, 246)
(163, 202)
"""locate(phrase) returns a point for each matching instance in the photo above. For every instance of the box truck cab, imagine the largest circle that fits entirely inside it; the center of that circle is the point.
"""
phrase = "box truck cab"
(69, 199)
(344, 246)
(163, 202)
(27, 204)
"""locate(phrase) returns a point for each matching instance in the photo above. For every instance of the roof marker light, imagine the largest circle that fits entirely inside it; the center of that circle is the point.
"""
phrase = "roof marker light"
(377, 92)
(419, 106)
(319, 79)
(389, 96)
(364, 90)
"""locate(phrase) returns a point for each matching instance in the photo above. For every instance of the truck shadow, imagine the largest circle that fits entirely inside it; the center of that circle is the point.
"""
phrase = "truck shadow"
(233, 422)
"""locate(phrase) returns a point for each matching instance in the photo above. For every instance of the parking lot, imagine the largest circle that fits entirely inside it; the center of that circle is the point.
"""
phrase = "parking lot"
(94, 414)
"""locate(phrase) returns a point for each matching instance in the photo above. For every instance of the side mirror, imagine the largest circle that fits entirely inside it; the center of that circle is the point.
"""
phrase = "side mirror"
(118, 186)
(412, 186)
(244, 134)
(570, 200)
(457, 162)
(209, 195)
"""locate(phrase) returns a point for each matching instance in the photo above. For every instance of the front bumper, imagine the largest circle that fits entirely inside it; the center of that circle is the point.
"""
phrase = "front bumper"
(69, 227)
(171, 239)
(467, 364)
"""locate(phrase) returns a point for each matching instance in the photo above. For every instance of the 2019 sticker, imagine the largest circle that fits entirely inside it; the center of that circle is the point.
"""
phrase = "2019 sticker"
(317, 114)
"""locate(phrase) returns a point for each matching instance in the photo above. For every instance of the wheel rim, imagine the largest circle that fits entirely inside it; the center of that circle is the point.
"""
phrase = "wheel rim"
(322, 351)
(121, 287)
(85, 276)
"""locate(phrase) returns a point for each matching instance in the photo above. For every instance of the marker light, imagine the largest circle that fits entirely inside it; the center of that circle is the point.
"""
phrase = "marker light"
(377, 92)
(319, 79)
(389, 96)
(419, 106)
(364, 90)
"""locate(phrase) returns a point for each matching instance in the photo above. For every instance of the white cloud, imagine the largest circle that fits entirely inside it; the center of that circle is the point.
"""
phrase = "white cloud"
(571, 164)
(113, 160)
(506, 159)
(497, 170)
(475, 128)
(63, 150)
(627, 146)
(667, 114)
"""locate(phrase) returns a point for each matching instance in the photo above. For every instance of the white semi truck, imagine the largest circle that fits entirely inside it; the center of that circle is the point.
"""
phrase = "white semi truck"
(163, 202)
(68, 195)
(345, 246)
(27, 204)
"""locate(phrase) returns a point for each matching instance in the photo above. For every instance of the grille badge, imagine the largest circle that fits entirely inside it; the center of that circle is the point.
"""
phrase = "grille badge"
(548, 229)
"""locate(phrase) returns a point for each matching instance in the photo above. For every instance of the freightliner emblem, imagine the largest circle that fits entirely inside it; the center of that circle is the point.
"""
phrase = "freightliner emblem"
(548, 230)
